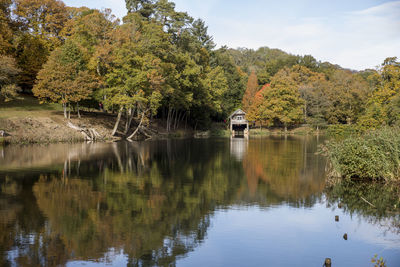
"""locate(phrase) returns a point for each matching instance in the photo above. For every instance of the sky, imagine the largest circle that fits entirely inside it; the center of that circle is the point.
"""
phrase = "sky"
(356, 34)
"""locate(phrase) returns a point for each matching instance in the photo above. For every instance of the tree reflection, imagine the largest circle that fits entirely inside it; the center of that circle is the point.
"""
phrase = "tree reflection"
(153, 201)
(153, 204)
(384, 202)
(280, 169)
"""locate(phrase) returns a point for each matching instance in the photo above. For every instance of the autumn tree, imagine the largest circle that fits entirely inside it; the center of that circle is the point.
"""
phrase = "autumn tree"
(282, 103)
(347, 94)
(382, 106)
(40, 24)
(255, 113)
(6, 27)
(89, 27)
(8, 75)
(251, 90)
(42, 18)
(313, 88)
(64, 78)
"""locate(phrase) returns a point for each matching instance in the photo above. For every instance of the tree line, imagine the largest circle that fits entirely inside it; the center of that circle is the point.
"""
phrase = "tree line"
(155, 62)
(286, 90)
(158, 62)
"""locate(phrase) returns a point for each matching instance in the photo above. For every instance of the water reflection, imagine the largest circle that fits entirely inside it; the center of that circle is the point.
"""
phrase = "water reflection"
(239, 147)
(375, 203)
(152, 202)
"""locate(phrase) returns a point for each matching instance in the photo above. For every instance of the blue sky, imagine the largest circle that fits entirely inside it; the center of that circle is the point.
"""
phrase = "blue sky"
(355, 34)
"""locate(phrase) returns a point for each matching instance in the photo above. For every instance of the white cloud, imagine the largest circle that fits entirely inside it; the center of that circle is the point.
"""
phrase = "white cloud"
(357, 40)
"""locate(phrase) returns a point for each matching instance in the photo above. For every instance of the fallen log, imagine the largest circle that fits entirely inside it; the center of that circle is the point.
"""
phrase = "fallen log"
(90, 134)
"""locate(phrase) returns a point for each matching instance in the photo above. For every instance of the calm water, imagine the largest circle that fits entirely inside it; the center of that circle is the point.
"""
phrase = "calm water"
(214, 202)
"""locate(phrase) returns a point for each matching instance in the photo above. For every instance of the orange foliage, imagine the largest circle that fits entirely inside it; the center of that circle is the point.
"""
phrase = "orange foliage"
(251, 90)
(255, 110)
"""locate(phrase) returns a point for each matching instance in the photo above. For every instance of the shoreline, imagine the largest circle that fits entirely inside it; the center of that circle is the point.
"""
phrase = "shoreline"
(39, 133)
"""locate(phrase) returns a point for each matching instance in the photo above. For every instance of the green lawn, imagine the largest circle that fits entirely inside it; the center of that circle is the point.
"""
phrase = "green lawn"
(27, 106)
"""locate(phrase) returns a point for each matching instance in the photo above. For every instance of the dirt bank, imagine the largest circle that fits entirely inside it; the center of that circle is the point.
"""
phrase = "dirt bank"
(52, 129)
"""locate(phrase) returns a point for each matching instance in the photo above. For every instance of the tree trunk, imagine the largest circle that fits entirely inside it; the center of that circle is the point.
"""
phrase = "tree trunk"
(129, 117)
(171, 120)
(117, 122)
(65, 110)
(186, 117)
(168, 117)
(176, 120)
(77, 108)
(69, 111)
(137, 129)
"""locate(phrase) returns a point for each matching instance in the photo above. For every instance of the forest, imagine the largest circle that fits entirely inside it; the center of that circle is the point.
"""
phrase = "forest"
(160, 63)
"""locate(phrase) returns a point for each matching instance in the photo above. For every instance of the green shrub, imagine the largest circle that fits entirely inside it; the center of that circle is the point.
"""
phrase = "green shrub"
(374, 155)
(342, 131)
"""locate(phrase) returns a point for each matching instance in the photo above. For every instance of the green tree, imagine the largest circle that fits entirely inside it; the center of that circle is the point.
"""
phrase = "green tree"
(144, 7)
(31, 53)
(394, 111)
(199, 30)
(236, 80)
(135, 80)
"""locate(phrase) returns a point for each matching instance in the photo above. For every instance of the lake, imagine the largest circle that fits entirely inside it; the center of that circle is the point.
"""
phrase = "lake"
(188, 202)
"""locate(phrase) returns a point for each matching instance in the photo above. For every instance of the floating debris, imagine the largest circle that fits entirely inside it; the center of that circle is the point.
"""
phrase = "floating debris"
(345, 236)
(328, 262)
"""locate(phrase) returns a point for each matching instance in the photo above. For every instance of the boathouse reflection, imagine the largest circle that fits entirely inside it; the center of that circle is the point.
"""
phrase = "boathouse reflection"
(239, 146)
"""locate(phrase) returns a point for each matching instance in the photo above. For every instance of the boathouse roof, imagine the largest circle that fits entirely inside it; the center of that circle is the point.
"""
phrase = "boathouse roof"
(237, 112)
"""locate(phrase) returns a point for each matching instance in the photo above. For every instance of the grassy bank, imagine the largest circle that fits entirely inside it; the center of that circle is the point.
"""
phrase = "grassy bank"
(372, 156)
(27, 106)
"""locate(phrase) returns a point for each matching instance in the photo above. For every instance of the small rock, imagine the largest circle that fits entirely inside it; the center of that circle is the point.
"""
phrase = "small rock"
(345, 236)
(336, 218)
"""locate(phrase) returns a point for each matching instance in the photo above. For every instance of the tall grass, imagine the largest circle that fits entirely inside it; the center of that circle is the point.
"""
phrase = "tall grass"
(374, 155)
